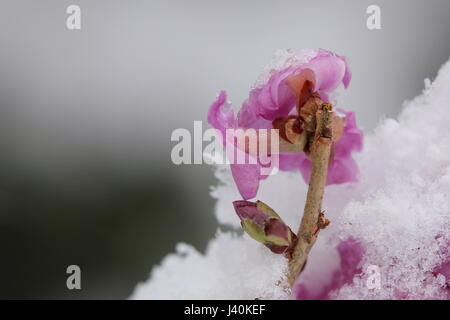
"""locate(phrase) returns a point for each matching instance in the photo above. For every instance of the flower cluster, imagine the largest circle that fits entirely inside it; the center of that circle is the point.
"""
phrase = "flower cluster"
(287, 101)
(295, 102)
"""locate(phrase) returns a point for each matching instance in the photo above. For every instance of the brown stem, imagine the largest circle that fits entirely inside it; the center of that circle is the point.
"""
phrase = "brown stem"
(313, 219)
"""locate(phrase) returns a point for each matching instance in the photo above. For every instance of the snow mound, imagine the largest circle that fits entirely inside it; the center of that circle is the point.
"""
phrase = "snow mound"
(226, 271)
(399, 211)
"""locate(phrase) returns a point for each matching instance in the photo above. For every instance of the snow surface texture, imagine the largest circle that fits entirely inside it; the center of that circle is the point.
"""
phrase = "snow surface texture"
(399, 211)
(282, 59)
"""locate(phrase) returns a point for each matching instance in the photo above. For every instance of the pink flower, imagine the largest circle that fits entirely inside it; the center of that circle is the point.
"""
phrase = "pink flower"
(351, 254)
(318, 285)
(343, 168)
(319, 73)
(444, 269)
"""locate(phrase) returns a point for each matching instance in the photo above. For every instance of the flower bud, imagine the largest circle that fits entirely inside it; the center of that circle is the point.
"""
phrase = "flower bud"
(264, 225)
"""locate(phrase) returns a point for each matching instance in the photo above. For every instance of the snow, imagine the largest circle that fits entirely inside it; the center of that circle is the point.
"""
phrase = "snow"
(399, 211)
(283, 59)
(232, 268)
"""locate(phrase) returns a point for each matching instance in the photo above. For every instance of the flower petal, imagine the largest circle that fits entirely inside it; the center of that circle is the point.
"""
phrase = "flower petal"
(329, 72)
(221, 115)
(351, 253)
(276, 97)
(348, 73)
(343, 168)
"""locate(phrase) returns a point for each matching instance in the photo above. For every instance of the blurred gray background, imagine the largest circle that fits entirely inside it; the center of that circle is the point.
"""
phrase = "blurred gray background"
(86, 118)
